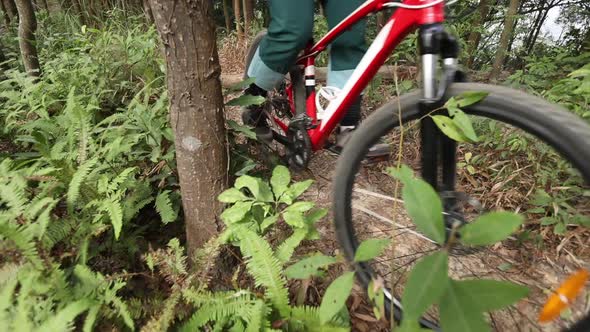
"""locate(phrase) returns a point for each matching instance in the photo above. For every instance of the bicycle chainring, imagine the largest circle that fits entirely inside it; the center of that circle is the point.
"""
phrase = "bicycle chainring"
(299, 149)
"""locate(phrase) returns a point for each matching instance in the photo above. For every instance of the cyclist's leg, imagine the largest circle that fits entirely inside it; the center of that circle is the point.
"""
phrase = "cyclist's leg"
(290, 28)
(346, 51)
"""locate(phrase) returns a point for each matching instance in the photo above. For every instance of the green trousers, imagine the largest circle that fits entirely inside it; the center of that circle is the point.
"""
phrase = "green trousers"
(291, 28)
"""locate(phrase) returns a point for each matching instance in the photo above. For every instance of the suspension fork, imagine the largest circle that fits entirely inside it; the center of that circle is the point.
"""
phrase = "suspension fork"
(437, 150)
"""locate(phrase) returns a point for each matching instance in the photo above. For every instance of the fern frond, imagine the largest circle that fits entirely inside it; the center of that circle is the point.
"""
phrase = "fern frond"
(286, 249)
(57, 231)
(164, 207)
(13, 194)
(115, 212)
(23, 240)
(77, 180)
(306, 318)
(266, 269)
(161, 320)
(64, 319)
(9, 272)
(219, 306)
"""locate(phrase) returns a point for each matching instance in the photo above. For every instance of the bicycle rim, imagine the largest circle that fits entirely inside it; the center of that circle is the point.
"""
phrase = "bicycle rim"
(358, 201)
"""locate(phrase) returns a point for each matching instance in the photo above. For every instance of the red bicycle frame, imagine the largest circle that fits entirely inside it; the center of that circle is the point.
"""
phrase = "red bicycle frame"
(401, 23)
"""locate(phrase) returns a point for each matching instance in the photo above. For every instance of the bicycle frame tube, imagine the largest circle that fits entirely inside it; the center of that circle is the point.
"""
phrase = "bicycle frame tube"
(401, 23)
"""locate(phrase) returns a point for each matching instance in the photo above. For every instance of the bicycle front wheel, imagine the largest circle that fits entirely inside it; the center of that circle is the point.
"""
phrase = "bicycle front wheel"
(527, 148)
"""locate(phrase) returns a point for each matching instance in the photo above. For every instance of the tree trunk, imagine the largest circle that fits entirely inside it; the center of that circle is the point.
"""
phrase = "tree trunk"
(381, 19)
(11, 9)
(77, 8)
(238, 15)
(537, 31)
(475, 36)
(26, 37)
(248, 14)
(6, 16)
(226, 15)
(147, 11)
(196, 111)
(504, 40)
(3, 65)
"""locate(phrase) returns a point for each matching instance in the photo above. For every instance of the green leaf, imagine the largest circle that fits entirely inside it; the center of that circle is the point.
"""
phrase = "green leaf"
(232, 195)
(463, 122)
(410, 325)
(280, 180)
(489, 295)
(246, 100)
(426, 284)
(459, 313)
(259, 189)
(308, 267)
(490, 228)
(77, 179)
(315, 215)
(116, 215)
(336, 296)
(471, 97)
(370, 249)
(243, 84)
(268, 221)
(247, 131)
(300, 207)
(164, 207)
(294, 218)
(560, 228)
(422, 203)
(296, 189)
(449, 128)
(236, 213)
(287, 248)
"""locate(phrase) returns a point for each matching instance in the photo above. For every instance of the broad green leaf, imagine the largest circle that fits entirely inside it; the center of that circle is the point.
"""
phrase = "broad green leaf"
(308, 267)
(315, 215)
(259, 189)
(463, 122)
(247, 131)
(490, 228)
(370, 249)
(410, 324)
(243, 84)
(280, 180)
(471, 97)
(268, 221)
(490, 294)
(236, 213)
(300, 207)
(449, 128)
(232, 195)
(560, 228)
(246, 100)
(426, 284)
(422, 203)
(459, 313)
(294, 218)
(298, 188)
(336, 296)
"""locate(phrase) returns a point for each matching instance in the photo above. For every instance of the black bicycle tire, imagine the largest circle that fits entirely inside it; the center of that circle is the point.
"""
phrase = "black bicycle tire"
(567, 133)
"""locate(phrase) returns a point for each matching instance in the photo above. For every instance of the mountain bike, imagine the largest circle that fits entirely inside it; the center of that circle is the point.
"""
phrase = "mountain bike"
(303, 127)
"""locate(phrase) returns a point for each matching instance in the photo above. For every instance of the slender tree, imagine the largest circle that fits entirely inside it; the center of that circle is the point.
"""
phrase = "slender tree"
(226, 14)
(11, 9)
(504, 39)
(147, 11)
(238, 15)
(248, 14)
(477, 24)
(187, 31)
(26, 34)
(5, 13)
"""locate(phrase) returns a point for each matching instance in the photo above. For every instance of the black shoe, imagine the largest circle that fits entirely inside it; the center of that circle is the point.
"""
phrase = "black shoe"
(379, 150)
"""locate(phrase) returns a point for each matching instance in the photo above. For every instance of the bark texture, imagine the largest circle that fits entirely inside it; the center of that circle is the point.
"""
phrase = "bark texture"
(248, 15)
(196, 110)
(483, 11)
(7, 18)
(11, 9)
(26, 37)
(238, 15)
(226, 15)
(504, 39)
(147, 11)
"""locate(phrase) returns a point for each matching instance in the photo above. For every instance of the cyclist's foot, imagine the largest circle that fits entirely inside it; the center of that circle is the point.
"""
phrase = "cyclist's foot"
(254, 115)
(379, 150)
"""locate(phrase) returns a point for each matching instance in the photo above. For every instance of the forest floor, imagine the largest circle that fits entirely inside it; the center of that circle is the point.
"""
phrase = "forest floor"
(541, 269)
